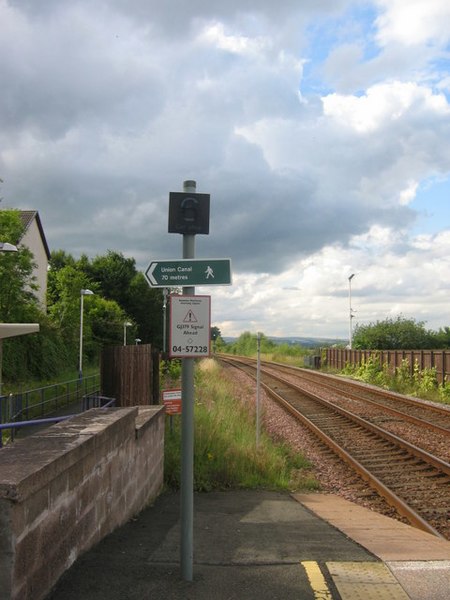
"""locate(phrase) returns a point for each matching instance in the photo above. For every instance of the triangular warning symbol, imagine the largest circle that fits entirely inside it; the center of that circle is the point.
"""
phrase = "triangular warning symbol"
(190, 317)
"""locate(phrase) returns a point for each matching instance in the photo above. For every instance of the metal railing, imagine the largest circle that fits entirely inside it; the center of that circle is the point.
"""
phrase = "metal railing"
(42, 401)
(91, 400)
(48, 401)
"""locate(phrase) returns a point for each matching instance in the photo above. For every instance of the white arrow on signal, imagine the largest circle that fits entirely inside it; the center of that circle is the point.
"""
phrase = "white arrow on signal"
(150, 273)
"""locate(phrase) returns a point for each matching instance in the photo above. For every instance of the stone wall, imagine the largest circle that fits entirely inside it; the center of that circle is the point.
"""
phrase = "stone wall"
(63, 489)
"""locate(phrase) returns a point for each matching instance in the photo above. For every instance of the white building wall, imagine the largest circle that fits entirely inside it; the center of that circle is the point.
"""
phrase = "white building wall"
(32, 240)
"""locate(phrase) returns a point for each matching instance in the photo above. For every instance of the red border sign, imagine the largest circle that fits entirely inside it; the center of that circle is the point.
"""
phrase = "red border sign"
(172, 401)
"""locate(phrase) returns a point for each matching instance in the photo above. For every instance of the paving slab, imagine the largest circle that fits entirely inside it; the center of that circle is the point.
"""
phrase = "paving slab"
(387, 538)
(247, 545)
(419, 561)
(260, 545)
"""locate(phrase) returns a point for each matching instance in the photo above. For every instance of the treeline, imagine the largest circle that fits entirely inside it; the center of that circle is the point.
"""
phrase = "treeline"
(121, 295)
(399, 333)
(246, 345)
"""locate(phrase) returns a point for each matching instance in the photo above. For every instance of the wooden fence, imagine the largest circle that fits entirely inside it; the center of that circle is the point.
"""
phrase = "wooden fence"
(338, 358)
(130, 374)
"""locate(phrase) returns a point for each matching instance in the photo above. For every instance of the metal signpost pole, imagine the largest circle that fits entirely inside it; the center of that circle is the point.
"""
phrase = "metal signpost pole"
(165, 293)
(187, 431)
(258, 386)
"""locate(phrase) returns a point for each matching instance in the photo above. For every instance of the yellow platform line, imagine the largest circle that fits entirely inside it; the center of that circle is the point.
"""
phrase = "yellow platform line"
(316, 580)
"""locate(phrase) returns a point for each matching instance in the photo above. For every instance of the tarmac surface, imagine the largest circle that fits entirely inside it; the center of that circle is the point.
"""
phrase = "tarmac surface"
(260, 545)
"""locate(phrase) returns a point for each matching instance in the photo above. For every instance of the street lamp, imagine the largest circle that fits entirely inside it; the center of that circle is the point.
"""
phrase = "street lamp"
(350, 310)
(7, 247)
(125, 325)
(137, 341)
(83, 293)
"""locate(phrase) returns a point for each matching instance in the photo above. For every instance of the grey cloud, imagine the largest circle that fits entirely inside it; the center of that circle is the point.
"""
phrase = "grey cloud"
(95, 136)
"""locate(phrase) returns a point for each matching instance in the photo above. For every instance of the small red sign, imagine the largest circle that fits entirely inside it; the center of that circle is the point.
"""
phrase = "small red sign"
(172, 401)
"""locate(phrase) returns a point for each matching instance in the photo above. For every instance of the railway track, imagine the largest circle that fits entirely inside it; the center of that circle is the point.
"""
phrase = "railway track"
(413, 481)
(425, 414)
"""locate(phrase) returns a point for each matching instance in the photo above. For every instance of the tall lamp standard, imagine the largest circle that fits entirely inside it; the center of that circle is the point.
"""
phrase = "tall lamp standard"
(350, 310)
(83, 293)
(125, 325)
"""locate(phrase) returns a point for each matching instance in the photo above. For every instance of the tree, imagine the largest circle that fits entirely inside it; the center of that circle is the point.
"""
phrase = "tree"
(216, 338)
(39, 355)
(392, 334)
(113, 274)
(145, 307)
(117, 278)
(246, 344)
(441, 338)
(105, 318)
(17, 283)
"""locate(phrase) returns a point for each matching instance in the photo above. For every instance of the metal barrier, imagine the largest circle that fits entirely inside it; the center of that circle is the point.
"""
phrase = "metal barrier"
(88, 401)
(39, 402)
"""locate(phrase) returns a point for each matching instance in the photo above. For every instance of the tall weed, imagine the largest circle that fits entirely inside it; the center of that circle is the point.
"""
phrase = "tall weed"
(225, 450)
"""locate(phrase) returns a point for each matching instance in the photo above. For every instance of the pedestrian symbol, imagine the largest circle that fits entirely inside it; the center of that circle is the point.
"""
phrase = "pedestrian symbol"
(209, 272)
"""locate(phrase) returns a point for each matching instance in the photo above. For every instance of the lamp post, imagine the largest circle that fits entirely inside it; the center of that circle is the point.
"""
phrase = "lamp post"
(350, 310)
(83, 293)
(125, 325)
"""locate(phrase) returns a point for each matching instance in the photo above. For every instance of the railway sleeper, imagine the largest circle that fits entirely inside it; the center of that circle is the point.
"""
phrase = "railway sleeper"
(380, 455)
(436, 513)
(390, 469)
(414, 487)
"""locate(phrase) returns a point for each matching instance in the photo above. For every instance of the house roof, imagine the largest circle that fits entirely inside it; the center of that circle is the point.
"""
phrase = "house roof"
(27, 217)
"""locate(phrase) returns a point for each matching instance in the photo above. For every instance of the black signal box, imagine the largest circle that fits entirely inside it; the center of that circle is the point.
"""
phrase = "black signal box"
(188, 213)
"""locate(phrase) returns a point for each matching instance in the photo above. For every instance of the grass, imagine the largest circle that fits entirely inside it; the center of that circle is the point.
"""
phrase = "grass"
(225, 451)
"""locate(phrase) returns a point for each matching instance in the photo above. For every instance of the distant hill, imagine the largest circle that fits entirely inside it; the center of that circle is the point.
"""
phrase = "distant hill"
(306, 342)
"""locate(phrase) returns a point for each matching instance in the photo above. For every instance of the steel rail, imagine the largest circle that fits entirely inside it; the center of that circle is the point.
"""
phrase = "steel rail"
(393, 499)
(337, 385)
(339, 382)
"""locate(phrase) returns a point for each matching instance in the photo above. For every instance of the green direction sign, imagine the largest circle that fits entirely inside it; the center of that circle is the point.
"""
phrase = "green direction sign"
(189, 272)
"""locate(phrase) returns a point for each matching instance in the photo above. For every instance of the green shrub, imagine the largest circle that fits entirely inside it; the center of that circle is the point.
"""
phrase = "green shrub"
(444, 392)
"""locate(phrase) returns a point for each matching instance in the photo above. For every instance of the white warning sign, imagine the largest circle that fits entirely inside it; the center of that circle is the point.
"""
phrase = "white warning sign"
(190, 324)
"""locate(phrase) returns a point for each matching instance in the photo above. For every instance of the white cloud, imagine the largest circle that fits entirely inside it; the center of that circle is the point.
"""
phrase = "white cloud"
(412, 22)
(313, 148)
(409, 193)
(238, 44)
(383, 103)
(386, 283)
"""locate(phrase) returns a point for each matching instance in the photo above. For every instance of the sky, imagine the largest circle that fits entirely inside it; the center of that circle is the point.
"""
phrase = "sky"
(321, 131)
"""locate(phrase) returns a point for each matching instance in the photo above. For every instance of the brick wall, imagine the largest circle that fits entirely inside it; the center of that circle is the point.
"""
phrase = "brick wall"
(63, 489)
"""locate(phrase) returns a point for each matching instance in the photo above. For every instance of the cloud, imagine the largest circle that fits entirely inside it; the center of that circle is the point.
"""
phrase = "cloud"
(310, 125)
(426, 22)
(384, 104)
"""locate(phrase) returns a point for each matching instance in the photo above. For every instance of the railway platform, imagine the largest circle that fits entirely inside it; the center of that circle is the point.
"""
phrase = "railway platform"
(261, 545)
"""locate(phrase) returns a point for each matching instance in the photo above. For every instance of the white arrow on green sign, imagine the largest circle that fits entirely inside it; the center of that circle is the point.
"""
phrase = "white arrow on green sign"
(189, 272)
